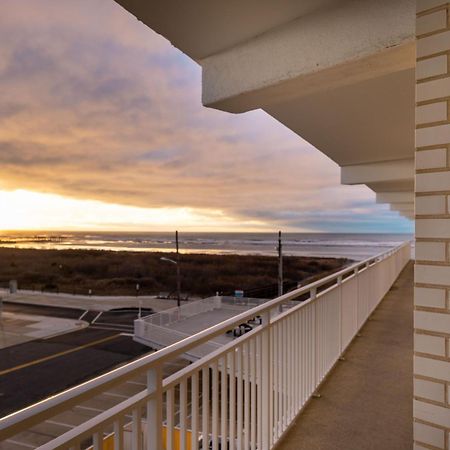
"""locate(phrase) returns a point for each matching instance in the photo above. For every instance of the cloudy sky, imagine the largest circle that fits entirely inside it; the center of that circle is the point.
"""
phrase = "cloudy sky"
(101, 126)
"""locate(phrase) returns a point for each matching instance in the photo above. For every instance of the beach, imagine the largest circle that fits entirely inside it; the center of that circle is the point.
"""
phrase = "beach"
(356, 246)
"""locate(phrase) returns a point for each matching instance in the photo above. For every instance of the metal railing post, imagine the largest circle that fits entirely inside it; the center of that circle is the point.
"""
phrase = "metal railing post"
(266, 383)
(339, 283)
(315, 340)
(356, 274)
(154, 409)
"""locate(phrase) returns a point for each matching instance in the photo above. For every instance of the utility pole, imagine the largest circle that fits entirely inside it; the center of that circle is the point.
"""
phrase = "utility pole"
(178, 271)
(280, 265)
(177, 263)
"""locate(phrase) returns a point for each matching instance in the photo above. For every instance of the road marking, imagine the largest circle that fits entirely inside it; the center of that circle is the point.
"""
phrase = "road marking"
(57, 355)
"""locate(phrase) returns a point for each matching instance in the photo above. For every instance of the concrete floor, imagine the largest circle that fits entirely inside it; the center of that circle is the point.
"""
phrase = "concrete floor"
(366, 401)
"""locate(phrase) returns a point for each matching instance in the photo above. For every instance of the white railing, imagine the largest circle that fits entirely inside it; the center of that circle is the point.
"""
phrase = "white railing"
(161, 337)
(159, 330)
(168, 316)
(241, 396)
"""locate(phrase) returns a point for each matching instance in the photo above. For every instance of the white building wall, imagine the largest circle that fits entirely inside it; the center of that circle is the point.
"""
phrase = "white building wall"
(432, 272)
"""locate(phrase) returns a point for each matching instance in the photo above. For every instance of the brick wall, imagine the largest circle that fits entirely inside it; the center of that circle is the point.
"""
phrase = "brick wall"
(432, 271)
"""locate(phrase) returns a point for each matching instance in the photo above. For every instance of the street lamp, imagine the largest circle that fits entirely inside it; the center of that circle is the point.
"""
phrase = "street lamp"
(177, 264)
(178, 277)
(280, 265)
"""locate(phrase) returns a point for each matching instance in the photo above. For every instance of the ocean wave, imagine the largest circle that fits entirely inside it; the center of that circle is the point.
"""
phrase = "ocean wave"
(296, 244)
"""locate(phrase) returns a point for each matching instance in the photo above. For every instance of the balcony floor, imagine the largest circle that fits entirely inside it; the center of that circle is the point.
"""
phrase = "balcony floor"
(366, 401)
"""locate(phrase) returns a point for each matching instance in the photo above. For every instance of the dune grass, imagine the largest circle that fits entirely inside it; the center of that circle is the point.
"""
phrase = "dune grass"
(117, 273)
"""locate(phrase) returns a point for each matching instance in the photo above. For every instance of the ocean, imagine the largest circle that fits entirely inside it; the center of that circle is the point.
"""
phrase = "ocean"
(353, 246)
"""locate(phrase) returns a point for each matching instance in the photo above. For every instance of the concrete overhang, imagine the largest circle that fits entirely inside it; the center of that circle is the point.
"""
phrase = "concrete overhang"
(409, 212)
(345, 43)
(335, 77)
(395, 197)
(369, 121)
(380, 175)
(402, 207)
(201, 28)
(405, 208)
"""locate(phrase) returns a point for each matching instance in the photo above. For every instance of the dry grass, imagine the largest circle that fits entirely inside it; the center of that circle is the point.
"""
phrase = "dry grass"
(117, 273)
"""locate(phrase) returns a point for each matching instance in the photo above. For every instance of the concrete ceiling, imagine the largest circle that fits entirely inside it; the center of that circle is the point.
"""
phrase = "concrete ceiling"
(201, 28)
(365, 122)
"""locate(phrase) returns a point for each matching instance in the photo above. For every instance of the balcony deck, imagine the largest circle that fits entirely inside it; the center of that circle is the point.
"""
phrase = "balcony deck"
(365, 404)
(366, 401)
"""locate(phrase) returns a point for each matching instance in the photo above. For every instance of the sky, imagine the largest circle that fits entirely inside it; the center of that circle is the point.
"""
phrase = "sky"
(102, 127)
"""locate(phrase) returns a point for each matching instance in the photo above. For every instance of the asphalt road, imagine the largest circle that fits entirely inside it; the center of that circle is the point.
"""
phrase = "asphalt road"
(121, 320)
(35, 370)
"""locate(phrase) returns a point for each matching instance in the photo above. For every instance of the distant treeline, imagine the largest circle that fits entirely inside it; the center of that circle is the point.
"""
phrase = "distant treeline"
(117, 273)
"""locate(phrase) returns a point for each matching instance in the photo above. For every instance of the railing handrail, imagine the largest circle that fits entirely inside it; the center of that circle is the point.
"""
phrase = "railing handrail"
(72, 396)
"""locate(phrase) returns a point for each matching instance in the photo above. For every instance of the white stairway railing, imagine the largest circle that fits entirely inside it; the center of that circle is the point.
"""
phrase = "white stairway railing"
(241, 396)
(159, 330)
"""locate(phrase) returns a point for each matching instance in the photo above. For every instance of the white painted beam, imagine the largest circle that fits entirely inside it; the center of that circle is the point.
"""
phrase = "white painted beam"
(395, 197)
(403, 209)
(409, 205)
(392, 186)
(378, 172)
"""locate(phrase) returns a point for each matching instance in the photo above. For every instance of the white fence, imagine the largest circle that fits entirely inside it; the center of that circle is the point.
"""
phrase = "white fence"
(243, 395)
(168, 316)
(160, 337)
(159, 330)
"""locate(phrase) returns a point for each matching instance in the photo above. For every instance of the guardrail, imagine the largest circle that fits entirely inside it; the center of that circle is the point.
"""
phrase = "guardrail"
(159, 330)
(243, 395)
(168, 316)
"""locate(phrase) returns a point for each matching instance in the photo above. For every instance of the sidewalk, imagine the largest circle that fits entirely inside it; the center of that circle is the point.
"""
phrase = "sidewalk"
(19, 328)
(84, 302)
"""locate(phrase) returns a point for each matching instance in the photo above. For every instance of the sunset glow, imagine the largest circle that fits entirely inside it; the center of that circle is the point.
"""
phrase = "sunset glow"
(99, 117)
(26, 210)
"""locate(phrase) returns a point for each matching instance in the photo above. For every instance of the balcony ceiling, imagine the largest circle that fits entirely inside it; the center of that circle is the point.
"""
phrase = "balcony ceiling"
(201, 28)
(365, 122)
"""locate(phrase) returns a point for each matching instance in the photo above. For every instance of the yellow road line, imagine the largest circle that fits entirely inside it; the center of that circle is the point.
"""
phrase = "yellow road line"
(57, 355)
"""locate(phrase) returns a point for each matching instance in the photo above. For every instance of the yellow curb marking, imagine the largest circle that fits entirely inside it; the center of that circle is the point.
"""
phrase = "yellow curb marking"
(57, 355)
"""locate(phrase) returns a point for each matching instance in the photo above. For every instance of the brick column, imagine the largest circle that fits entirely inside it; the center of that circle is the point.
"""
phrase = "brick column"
(432, 270)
